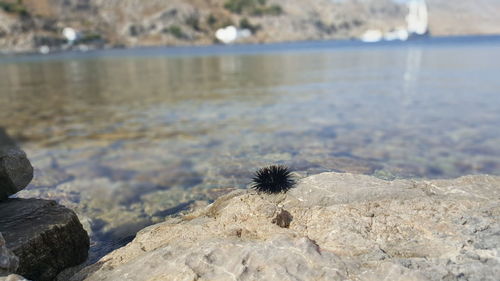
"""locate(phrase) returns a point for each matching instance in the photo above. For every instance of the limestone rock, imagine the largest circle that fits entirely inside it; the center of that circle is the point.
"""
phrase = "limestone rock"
(46, 237)
(8, 261)
(337, 227)
(16, 171)
(13, 277)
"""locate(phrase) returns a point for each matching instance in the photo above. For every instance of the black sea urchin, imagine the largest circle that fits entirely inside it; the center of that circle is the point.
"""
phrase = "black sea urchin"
(273, 179)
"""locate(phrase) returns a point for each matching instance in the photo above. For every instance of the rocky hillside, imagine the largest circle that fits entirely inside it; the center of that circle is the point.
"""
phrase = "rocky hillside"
(26, 25)
(464, 17)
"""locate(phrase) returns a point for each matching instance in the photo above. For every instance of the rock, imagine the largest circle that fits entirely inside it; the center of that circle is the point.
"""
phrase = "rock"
(8, 261)
(330, 227)
(13, 277)
(46, 237)
(283, 219)
(16, 171)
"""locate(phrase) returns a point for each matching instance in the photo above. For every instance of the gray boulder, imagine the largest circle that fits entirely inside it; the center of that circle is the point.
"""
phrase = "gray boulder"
(330, 227)
(16, 171)
(46, 237)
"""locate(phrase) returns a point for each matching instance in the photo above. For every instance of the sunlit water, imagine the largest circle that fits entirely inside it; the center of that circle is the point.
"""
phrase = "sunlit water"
(129, 137)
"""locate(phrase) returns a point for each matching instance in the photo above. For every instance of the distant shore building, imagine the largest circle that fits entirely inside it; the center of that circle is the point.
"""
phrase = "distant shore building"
(417, 25)
(231, 33)
(70, 34)
(372, 35)
(418, 18)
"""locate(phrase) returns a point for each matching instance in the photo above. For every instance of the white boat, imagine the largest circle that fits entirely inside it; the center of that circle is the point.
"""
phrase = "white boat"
(231, 33)
(70, 34)
(417, 25)
(417, 19)
(371, 36)
(400, 34)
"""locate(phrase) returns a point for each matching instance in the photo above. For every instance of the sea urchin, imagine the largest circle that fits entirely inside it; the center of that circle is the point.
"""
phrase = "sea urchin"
(273, 179)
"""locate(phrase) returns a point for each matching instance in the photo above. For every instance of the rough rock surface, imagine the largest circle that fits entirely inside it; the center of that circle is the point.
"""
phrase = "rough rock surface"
(343, 227)
(16, 171)
(13, 277)
(8, 261)
(46, 237)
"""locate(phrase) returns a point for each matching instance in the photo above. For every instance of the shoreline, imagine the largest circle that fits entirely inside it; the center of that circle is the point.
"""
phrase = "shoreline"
(249, 48)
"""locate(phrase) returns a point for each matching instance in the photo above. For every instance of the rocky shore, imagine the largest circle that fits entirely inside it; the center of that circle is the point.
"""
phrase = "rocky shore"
(38, 238)
(332, 226)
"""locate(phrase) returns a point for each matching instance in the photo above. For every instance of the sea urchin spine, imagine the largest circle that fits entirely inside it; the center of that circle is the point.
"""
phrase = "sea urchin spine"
(273, 179)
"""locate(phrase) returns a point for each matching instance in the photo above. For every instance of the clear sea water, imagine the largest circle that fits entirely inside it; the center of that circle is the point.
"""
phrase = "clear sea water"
(129, 137)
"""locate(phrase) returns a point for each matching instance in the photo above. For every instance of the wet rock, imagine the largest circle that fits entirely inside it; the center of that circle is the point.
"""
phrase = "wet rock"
(16, 171)
(8, 261)
(344, 227)
(46, 237)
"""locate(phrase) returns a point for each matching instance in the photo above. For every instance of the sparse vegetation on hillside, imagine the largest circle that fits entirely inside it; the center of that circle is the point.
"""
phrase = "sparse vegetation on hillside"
(252, 7)
(246, 24)
(211, 20)
(90, 38)
(14, 8)
(273, 10)
(176, 31)
(214, 22)
(193, 22)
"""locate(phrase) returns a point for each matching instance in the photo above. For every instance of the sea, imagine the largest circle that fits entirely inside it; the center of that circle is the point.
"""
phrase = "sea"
(130, 137)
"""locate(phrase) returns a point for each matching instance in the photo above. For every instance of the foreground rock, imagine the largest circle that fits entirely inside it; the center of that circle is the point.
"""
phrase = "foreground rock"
(12, 277)
(46, 237)
(330, 227)
(16, 171)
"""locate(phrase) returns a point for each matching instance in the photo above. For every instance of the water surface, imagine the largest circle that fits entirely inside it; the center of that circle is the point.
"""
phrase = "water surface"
(129, 137)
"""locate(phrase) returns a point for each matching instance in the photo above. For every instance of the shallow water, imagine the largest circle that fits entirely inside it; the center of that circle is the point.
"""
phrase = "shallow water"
(129, 137)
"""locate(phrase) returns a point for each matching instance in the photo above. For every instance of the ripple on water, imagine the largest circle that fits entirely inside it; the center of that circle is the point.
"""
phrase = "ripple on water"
(138, 139)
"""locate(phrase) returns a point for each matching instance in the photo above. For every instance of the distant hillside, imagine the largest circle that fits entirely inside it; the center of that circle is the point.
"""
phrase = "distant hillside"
(460, 17)
(25, 25)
